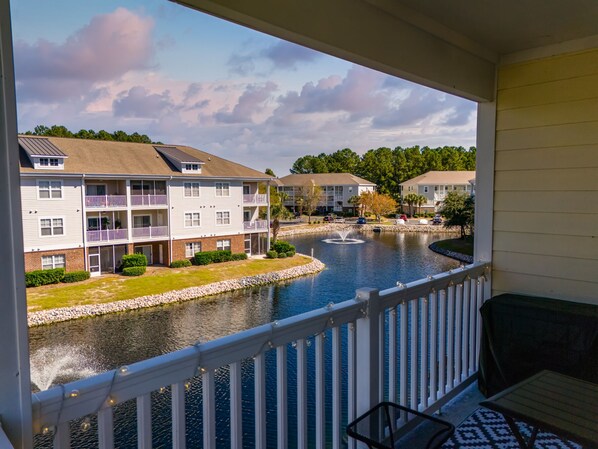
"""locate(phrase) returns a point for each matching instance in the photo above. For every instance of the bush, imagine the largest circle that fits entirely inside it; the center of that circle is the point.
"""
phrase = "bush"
(221, 256)
(208, 257)
(75, 276)
(134, 260)
(43, 277)
(290, 253)
(180, 263)
(203, 258)
(133, 271)
(282, 255)
(271, 255)
(239, 256)
(281, 246)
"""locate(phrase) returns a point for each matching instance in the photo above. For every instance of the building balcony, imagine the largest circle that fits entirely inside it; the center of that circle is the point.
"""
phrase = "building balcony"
(106, 235)
(105, 201)
(150, 232)
(256, 225)
(149, 200)
(416, 344)
(255, 198)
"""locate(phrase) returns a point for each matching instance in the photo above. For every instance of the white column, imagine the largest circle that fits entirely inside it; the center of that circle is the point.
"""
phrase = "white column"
(268, 214)
(129, 214)
(15, 386)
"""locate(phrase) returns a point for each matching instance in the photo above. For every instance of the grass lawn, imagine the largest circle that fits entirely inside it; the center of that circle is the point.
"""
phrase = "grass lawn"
(156, 280)
(457, 245)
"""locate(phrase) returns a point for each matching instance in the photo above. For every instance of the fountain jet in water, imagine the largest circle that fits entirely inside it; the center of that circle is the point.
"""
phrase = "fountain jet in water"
(59, 364)
(343, 240)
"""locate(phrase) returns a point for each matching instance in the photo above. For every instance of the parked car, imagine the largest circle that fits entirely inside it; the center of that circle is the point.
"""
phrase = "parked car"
(329, 218)
(339, 220)
(402, 217)
(361, 221)
(437, 219)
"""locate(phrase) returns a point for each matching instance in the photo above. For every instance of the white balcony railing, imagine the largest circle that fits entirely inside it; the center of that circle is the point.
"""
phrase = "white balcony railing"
(106, 235)
(103, 201)
(414, 344)
(4, 442)
(255, 198)
(150, 232)
(257, 225)
(149, 200)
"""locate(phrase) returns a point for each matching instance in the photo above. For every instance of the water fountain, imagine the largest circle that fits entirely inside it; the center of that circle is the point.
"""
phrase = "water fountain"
(342, 239)
(60, 364)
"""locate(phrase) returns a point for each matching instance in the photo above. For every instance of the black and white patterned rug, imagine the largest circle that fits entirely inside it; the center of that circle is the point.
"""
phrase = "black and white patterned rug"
(486, 429)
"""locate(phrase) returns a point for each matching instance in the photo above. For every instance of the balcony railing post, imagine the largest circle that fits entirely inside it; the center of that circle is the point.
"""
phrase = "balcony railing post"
(368, 350)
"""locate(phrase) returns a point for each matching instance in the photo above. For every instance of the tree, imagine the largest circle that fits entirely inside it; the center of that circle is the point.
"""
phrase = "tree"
(278, 210)
(311, 196)
(421, 200)
(378, 204)
(270, 172)
(411, 199)
(458, 210)
(343, 161)
(62, 131)
(310, 164)
(355, 202)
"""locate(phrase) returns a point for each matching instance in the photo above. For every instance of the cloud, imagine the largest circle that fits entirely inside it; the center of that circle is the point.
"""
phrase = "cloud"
(139, 102)
(251, 102)
(286, 55)
(106, 48)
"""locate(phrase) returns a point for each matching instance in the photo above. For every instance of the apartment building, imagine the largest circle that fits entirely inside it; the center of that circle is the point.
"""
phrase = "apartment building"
(434, 185)
(86, 203)
(337, 189)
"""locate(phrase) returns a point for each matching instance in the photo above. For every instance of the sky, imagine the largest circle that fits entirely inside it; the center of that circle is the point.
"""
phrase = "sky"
(184, 77)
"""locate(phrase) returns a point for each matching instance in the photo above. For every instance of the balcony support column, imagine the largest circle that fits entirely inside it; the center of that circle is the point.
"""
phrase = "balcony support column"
(15, 385)
(368, 351)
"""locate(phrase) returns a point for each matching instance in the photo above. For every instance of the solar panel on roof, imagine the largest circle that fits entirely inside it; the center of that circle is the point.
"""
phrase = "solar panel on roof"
(36, 147)
(178, 155)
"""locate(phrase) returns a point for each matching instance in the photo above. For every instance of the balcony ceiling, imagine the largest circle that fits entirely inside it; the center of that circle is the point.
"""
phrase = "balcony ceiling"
(504, 26)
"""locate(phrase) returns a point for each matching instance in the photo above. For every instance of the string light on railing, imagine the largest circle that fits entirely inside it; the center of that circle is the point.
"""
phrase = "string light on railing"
(329, 306)
(270, 345)
(430, 277)
(85, 425)
(400, 284)
(274, 323)
(46, 430)
(331, 321)
(187, 385)
(123, 370)
(111, 401)
(72, 394)
(294, 345)
(162, 390)
(200, 370)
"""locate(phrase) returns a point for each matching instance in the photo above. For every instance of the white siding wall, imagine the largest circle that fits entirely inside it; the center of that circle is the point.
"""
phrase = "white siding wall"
(68, 207)
(546, 178)
(207, 204)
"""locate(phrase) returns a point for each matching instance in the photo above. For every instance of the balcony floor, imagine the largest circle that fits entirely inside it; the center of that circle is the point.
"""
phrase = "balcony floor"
(480, 428)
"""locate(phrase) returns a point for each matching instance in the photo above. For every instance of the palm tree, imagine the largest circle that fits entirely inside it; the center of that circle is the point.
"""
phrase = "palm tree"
(411, 199)
(421, 200)
(278, 211)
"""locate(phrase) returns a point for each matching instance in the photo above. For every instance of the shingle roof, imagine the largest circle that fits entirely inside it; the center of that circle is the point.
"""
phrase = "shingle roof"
(443, 177)
(97, 157)
(36, 147)
(176, 154)
(323, 179)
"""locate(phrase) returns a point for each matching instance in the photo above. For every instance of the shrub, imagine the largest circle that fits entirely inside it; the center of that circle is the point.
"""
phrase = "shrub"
(290, 253)
(282, 255)
(239, 256)
(134, 260)
(43, 277)
(271, 255)
(281, 246)
(75, 276)
(221, 256)
(203, 258)
(133, 271)
(180, 263)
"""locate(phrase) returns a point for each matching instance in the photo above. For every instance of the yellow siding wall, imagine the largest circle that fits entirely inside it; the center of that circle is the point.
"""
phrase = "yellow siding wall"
(546, 178)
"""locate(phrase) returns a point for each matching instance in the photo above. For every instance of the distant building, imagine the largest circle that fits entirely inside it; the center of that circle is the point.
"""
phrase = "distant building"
(86, 203)
(434, 185)
(337, 189)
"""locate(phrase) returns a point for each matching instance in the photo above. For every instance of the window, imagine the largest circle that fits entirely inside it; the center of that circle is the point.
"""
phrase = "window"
(51, 226)
(223, 245)
(55, 261)
(192, 219)
(222, 189)
(191, 167)
(49, 189)
(142, 221)
(192, 189)
(425, 189)
(48, 162)
(192, 248)
(223, 217)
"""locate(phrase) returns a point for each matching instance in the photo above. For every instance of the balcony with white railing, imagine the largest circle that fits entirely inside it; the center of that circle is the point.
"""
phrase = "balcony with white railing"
(105, 201)
(106, 235)
(150, 232)
(255, 198)
(256, 225)
(149, 200)
(415, 344)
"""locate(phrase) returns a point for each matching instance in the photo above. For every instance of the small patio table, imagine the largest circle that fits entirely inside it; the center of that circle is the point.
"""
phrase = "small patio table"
(551, 402)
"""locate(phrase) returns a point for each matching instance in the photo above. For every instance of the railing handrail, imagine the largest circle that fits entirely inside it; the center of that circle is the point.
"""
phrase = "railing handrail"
(143, 377)
(4, 441)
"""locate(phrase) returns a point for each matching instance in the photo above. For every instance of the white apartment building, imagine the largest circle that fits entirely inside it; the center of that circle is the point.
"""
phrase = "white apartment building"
(86, 203)
(337, 188)
(434, 185)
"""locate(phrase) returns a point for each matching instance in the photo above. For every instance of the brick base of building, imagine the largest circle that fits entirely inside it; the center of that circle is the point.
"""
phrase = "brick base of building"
(75, 259)
(237, 243)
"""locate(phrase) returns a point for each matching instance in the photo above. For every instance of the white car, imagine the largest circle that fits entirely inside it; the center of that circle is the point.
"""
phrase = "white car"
(423, 221)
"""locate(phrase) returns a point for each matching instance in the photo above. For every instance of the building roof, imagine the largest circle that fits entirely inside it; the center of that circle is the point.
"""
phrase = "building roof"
(442, 177)
(178, 155)
(40, 147)
(101, 157)
(323, 179)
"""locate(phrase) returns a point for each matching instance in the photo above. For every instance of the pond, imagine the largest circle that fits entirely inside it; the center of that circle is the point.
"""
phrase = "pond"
(65, 351)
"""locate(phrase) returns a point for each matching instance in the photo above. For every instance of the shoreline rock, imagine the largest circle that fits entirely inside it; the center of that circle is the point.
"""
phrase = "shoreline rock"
(452, 254)
(90, 310)
(331, 227)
